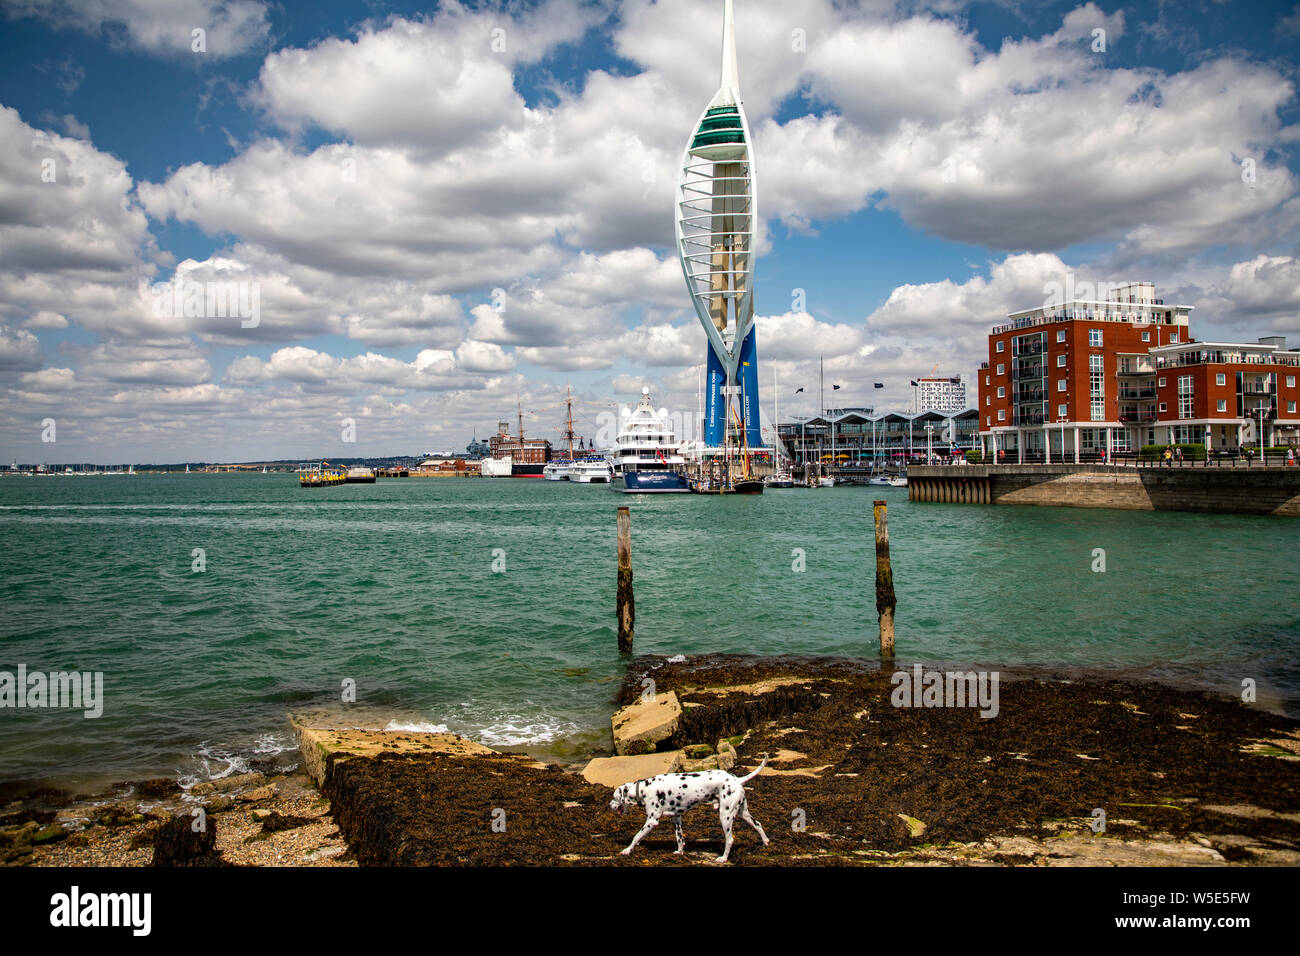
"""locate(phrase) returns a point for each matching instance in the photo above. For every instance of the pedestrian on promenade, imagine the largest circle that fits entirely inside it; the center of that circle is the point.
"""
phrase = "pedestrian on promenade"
(1290, 456)
(1169, 458)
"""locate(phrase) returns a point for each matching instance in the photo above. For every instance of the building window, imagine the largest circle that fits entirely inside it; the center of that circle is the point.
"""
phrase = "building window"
(1223, 405)
(1097, 387)
(1060, 384)
(1161, 383)
(1184, 396)
(1001, 346)
(1290, 408)
(1002, 414)
(1060, 361)
(987, 379)
(1061, 411)
(1002, 392)
(1173, 339)
(1220, 379)
(1146, 336)
(1094, 338)
(1290, 381)
(1060, 335)
(988, 421)
(1162, 410)
(1002, 369)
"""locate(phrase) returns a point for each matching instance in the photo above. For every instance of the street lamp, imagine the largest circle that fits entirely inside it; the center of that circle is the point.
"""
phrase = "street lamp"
(1259, 435)
(929, 443)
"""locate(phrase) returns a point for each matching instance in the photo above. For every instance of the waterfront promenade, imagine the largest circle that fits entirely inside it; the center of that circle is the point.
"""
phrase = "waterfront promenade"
(1215, 487)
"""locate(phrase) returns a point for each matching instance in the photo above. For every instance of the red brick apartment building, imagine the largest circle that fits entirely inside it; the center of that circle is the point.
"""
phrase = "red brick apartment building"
(1067, 381)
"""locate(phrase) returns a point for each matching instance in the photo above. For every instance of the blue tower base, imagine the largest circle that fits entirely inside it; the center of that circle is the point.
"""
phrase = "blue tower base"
(714, 401)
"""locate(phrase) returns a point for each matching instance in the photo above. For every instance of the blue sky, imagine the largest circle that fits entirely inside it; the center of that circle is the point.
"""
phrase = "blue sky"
(922, 169)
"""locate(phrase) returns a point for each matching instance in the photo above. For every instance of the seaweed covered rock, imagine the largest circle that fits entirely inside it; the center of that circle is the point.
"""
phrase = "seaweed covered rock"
(180, 842)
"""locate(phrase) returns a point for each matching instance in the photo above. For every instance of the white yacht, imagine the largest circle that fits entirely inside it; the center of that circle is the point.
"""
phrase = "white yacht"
(591, 470)
(559, 470)
(646, 454)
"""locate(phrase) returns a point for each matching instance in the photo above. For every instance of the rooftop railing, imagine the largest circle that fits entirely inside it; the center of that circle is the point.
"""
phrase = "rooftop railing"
(1226, 358)
(1138, 317)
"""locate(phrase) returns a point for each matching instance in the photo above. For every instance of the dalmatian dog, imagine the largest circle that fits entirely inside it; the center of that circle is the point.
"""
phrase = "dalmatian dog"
(672, 794)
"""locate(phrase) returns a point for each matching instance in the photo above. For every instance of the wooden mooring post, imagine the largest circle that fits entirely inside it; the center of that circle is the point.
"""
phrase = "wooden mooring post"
(626, 608)
(885, 599)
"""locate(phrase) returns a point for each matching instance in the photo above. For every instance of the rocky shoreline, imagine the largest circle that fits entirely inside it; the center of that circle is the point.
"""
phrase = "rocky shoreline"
(1178, 778)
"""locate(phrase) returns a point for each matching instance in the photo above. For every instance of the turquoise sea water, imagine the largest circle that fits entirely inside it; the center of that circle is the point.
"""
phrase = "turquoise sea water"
(392, 586)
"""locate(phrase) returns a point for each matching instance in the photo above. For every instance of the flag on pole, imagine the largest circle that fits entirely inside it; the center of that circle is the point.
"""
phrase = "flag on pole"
(798, 390)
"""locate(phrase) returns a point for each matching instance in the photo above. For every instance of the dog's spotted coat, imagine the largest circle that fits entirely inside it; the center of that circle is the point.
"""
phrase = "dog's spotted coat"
(672, 794)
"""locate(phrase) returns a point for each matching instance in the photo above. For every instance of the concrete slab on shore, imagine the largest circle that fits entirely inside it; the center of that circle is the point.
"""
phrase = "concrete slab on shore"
(317, 744)
(641, 725)
(615, 771)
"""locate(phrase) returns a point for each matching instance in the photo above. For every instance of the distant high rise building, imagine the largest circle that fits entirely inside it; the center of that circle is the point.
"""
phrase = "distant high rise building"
(938, 395)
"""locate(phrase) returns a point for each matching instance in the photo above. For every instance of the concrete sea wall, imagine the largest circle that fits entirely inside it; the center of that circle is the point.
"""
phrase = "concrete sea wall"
(1241, 490)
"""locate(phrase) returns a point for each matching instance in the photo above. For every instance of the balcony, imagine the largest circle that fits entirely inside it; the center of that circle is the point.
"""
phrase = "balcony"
(1028, 370)
(1259, 390)
(1029, 418)
(1027, 348)
(1136, 393)
(1030, 395)
(1137, 418)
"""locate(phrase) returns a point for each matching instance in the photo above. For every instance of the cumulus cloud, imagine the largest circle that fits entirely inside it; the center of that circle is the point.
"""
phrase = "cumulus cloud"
(46, 320)
(162, 27)
(429, 84)
(1247, 299)
(20, 350)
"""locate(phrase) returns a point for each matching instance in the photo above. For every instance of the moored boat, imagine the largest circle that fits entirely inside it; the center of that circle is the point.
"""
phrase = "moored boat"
(591, 471)
(646, 455)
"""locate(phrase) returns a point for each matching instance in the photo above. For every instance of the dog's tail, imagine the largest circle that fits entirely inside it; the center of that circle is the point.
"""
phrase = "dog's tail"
(757, 771)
